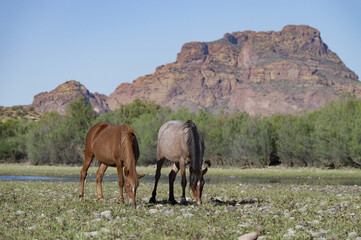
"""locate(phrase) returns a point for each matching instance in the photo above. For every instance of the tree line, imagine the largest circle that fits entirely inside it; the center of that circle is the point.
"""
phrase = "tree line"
(329, 137)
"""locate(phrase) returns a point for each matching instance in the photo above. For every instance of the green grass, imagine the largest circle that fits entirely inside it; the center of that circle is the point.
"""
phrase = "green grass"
(46, 210)
(51, 210)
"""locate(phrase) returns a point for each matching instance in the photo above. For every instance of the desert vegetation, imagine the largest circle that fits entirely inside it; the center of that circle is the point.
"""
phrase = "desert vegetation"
(329, 137)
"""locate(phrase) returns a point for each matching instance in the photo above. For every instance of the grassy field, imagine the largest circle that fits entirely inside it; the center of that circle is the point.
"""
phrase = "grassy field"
(51, 210)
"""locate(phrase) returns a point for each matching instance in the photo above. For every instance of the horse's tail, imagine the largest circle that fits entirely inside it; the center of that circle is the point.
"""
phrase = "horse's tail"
(194, 147)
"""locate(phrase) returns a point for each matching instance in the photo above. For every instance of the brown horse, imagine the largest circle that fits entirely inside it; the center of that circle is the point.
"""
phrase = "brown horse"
(182, 143)
(115, 146)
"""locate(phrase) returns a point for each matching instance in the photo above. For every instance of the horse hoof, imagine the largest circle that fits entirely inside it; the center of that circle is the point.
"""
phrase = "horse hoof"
(173, 202)
(152, 200)
(183, 202)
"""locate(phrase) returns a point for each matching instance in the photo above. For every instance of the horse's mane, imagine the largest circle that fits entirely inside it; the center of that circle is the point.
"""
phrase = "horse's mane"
(193, 143)
(130, 146)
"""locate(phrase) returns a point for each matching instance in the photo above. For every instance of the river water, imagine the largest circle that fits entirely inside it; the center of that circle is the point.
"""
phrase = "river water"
(208, 179)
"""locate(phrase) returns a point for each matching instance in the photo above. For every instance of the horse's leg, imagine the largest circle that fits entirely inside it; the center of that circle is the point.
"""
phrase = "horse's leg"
(184, 180)
(121, 180)
(88, 159)
(157, 176)
(99, 179)
(172, 176)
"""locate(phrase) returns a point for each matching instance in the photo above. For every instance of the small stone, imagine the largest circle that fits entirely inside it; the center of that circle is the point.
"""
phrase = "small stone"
(249, 236)
(153, 210)
(351, 214)
(114, 200)
(300, 227)
(71, 211)
(230, 208)
(290, 233)
(287, 215)
(32, 227)
(315, 234)
(20, 212)
(92, 234)
(169, 213)
(187, 215)
(315, 222)
(106, 214)
(352, 234)
(96, 220)
(96, 214)
(332, 211)
(243, 225)
(118, 218)
(105, 230)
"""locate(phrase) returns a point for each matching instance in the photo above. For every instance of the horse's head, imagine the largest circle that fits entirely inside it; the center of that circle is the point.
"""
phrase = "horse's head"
(131, 184)
(198, 188)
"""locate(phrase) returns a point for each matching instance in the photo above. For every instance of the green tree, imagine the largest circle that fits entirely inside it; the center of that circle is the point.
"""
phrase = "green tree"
(56, 138)
(338, 133)
(41, 141)
(12, 142)
(128, 113)
(79, 118)
(295, 144)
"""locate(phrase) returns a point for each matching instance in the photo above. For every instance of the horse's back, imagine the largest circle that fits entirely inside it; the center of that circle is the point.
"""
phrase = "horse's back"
(95, 130)
(169, 126)
(172, 142)
(100, 141)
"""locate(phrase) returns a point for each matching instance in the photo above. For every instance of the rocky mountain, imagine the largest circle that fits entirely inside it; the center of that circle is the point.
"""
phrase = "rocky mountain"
(258, 72)
(65, 93)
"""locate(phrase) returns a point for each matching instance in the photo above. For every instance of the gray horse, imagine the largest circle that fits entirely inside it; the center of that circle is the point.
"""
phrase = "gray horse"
(181, 143)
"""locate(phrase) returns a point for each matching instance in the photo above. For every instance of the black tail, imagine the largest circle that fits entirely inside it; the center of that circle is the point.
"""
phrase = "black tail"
(194, 147)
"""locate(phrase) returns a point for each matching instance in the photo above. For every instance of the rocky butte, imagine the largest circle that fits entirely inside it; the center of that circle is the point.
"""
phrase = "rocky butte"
(259, 72)
(65, 93)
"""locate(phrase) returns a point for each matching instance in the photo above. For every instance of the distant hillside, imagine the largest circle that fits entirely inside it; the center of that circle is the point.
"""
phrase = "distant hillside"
(258, 72)
(65, 93)
(19, 112)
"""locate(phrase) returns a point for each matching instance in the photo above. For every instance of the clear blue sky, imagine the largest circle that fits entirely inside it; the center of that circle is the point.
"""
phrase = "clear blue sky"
(44, 43)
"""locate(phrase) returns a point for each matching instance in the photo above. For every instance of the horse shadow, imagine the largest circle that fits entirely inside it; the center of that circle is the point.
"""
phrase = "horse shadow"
(166, 202)
(218, 202)
(212, 200)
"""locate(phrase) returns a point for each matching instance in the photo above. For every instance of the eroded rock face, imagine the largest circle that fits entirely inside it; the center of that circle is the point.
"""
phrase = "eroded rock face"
(65, 93)
(258, 72)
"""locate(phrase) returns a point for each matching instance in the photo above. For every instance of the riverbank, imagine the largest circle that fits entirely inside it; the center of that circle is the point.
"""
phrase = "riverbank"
(273, 172)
